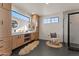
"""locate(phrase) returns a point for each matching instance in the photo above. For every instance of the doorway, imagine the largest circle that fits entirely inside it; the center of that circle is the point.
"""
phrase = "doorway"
(73, 31)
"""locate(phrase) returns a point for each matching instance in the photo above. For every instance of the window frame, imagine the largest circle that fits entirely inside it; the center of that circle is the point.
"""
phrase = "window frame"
(50, 21)
(57, 20)
(20, 14)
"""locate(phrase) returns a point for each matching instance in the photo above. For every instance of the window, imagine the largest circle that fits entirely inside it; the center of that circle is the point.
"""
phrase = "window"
(19, 16)
(51, 20)
(20, 22)
(14, 24)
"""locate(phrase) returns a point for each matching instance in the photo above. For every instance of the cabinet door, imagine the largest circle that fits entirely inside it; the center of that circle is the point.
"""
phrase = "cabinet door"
(32, 36)
(5, 23)
(20, 40)
(7, 6)
(36, 34)
(14, 42)
(17, 41)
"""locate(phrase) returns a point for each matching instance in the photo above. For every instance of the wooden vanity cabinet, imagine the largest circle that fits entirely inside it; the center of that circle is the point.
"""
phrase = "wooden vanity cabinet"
(17, 41)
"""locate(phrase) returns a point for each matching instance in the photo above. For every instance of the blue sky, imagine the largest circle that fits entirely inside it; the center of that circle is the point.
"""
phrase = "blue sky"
(19, 16)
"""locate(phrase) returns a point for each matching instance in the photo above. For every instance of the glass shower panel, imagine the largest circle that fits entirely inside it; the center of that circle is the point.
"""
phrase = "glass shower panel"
(74, 30)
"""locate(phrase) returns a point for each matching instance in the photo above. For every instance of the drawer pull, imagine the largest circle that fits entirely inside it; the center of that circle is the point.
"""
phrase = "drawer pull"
(2, 22)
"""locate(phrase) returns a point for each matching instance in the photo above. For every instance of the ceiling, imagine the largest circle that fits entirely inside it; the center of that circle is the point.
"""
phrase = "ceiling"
(45, 9)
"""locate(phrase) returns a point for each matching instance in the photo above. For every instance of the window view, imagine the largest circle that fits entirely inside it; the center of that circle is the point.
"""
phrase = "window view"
(20, 23)
(51, 20)
(19, 16)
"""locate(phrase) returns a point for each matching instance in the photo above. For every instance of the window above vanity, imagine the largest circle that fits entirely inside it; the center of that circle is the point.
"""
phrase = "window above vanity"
(20, 22)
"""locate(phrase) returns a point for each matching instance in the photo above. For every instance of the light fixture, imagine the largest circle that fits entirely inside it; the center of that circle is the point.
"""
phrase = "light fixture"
(46, 3)
(33, 12)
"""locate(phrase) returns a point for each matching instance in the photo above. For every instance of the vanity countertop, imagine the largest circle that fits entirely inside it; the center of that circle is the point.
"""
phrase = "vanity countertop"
(19, 33)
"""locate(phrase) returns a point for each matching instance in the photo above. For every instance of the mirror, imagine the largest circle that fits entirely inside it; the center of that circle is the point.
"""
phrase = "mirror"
(14, 24)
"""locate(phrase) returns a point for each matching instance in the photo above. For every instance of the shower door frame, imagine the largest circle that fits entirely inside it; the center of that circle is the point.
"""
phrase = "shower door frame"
(69, 45)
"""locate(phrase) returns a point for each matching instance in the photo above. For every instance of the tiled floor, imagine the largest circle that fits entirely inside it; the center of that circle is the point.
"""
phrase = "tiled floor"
(43, 50)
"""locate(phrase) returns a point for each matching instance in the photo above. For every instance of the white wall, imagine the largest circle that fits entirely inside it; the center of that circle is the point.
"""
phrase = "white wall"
(46, 29)
(20, 10)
